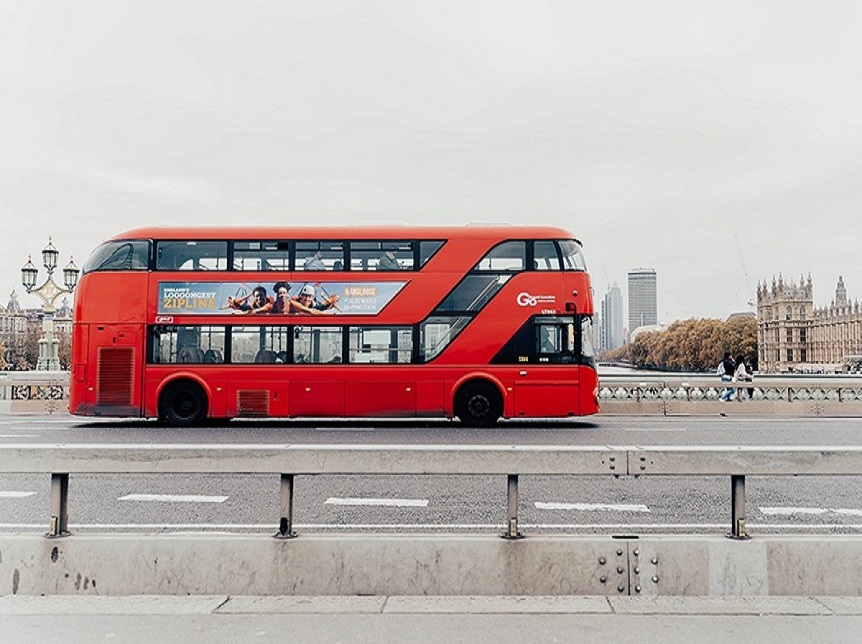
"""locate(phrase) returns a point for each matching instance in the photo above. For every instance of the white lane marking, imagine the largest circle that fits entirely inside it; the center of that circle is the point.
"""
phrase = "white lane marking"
(17, 435)
(174, 498)
(780, 511)
(657, 429)
(15, 495)
(773, 511)
(589, 507)
(389, 503)
(848, 512)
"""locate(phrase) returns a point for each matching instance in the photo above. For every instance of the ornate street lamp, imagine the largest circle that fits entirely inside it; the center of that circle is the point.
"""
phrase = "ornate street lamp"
(48, 292)
(70, 275)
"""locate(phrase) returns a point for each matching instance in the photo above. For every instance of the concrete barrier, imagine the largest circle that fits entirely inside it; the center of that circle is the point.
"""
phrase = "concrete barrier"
(311, 564)
(429, 565)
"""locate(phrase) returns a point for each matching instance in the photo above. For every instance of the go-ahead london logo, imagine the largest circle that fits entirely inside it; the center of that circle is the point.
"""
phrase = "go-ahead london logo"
(527, 299)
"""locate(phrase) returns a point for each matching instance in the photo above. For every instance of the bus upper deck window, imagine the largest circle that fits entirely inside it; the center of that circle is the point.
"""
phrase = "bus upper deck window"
(545, 256)
(389, 255)
(573, 258)
(508, 256)
(267, 255)
(191, 255)
(319, 256)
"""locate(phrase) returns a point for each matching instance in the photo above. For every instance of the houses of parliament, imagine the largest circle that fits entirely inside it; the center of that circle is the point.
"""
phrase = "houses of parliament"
(794, 336)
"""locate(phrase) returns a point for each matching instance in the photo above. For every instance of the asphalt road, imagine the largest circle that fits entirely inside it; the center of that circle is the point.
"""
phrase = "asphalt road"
(594, 505)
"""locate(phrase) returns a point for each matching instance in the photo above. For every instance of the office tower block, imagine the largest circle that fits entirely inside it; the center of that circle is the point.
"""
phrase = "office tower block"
(643, 304)
(612, 319)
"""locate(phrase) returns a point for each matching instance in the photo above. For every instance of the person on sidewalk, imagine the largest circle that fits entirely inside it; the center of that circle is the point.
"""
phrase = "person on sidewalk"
(740, 374)
(725, 372)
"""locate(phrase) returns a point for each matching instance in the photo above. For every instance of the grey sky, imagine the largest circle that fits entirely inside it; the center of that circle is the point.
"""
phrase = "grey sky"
(703, 139)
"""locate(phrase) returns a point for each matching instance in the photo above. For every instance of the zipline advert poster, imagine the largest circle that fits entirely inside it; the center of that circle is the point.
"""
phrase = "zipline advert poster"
(279, 298)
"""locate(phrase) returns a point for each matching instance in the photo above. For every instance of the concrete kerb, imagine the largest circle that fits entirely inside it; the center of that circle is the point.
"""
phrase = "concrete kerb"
(411, 605)
(439, 565)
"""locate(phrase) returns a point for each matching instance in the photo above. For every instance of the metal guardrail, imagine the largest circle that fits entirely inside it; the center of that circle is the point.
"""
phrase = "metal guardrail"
(512, 461)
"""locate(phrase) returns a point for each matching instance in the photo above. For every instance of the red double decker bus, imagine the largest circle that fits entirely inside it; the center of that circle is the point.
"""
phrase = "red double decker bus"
(186, 324)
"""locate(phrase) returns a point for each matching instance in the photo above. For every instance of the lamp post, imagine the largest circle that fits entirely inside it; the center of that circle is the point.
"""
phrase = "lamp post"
(48, 292)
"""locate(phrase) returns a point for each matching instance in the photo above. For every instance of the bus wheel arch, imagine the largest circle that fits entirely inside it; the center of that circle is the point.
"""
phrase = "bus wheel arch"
(183, 402)
(478, 402)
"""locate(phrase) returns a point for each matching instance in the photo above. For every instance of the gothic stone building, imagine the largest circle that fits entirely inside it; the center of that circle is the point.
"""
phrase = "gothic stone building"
(794, 336)
(21, 328)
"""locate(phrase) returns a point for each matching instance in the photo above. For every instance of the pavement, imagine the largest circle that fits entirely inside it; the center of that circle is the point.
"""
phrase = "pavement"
(477, 620)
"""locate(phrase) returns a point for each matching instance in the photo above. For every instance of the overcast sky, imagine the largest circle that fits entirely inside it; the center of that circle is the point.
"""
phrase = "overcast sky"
(719, 143)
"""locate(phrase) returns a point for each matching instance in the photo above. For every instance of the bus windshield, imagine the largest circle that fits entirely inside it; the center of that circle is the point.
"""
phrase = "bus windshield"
(127, 255)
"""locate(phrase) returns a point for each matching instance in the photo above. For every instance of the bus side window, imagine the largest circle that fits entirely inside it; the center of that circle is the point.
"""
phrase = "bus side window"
(191, 255)
(267, 255)
(548, 339)
(389, 255)
(545, 257)
(319, 255)
(508, 256)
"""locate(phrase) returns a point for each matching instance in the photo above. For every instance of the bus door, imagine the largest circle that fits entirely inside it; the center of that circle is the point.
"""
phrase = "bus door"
(317, 381)
(378, 394)
(316, 396)
(379, 381)
(117, 351)
(547, 383)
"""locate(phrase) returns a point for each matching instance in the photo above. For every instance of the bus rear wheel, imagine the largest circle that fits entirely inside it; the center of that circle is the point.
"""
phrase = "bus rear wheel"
(183, 403)
(478, 404)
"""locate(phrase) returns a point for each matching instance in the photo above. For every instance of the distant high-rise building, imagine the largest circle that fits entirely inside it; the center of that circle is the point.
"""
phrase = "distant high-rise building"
(612, 319)
(643, 304)
(598, 326)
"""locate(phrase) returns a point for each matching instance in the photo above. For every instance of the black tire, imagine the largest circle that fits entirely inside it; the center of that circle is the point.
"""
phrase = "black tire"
(183, 403)
(478, 404)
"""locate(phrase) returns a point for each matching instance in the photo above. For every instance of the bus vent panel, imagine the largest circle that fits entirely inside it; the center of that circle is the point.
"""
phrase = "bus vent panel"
(252, 402)
(115, 376)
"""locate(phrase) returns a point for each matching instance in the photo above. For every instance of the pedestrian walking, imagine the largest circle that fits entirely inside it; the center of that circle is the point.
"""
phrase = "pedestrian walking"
(740, 374)
(725, 372)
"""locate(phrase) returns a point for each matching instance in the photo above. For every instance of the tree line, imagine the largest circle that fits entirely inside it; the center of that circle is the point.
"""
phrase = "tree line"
(690, 345)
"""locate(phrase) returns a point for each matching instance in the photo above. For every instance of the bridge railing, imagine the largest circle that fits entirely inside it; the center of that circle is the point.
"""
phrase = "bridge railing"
(288, 461)
(43, 392)
(697, 393)
(640, 393)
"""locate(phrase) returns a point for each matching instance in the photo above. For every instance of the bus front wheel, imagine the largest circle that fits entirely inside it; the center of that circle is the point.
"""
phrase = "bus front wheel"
(478, 404)
(183, 403)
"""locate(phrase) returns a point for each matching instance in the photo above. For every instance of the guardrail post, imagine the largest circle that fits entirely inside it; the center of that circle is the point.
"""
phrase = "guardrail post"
(59, 526)
(285, 522)
(512, 498)
(737, 508)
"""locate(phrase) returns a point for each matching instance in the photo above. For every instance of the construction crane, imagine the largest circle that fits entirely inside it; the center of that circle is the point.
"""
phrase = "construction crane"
(745, 272)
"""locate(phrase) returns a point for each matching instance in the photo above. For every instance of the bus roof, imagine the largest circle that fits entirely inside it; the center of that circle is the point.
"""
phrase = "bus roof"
(346, 232)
